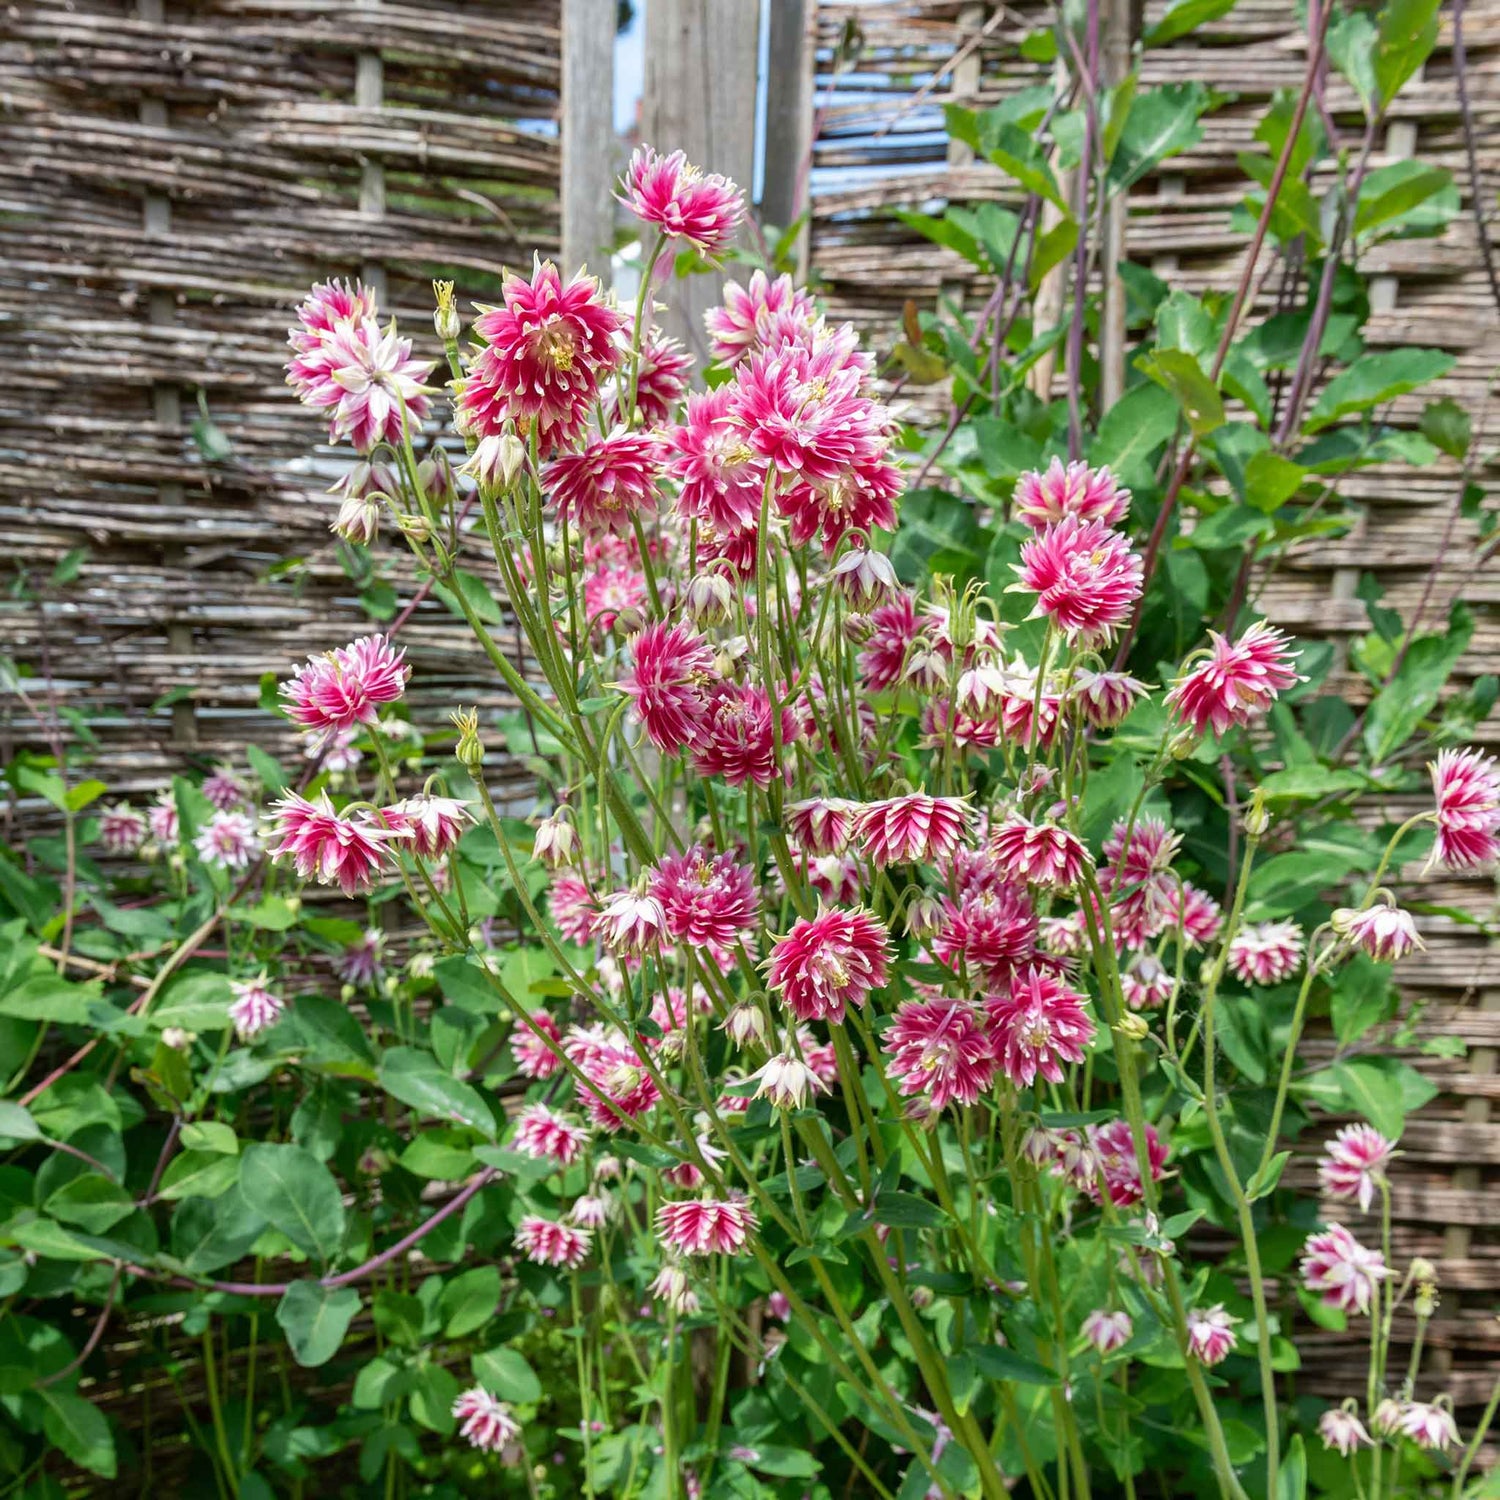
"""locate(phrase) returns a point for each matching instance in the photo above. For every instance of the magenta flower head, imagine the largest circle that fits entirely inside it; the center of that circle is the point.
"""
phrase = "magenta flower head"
(1211, 1336)
(1043, 499)
(485, 1422)
(1340, 1428)
(254, 1007)
(915, 829)
(1111, 1152)
(1105, 698)
(630, 921)
(543, 353)
(435, 824)
(162, 818)
(988, 935)
(662, 379)
(1043, 854)
(544, 1135)
(228, 841)
(1266, 952)
(327, 305)
(1036, 1027)
(830, 961)
(346, 686)
(671, 671)
(546, 1242)
(333, 850)
(1429, 1425)
(122, 830)
(821, 825)
(224, 789)
(739, 734)
(682, 201)
(606, 485)
(1235, 682)
(1353, 1164)
(1344, 1272)
(1384, 930)
(939, 1049)
(1466, 786)
(708, 899)
(750, 315)
(706, 1226)
(1107, 1331)
(721, 480)
(1085, 577)
(534, 1058)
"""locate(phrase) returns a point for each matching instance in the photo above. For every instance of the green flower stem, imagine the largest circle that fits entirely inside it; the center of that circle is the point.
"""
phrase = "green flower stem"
(583, 1385)
(1288, 1062)
(1475, 1443)
(638, 329)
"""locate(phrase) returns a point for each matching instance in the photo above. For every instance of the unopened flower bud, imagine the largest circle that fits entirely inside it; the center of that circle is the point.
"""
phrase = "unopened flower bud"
(435, 475)
(446, 319)
(921, 1296)
(496, 460)
(1423, 1269)
(630, 621)
(556, 842)
(1133, 1026)
(415, 528)
(745, 1024)
(1257, 819)
(469, 752)
(178, 1038)
(924, 916)
(358, 520)
(709, 599)
(864, 577)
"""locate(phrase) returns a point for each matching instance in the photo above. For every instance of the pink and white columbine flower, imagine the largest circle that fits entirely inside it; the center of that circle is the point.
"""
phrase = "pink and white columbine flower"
(1385, 932)
(254, 1007)
(1110, 1151)
(1211, 1336)
(1429, 1425)
(1353, 1164)
(737, 741)
(721, 479)
(435, 824)
(543, 353)
(1043, 499)
(346, 686)
(329, 848)
(661, 379)
(1197, 913)
(544, 1135)
(1266, 952)
(706, 1226)
(630, 921)
(912, 830)
(748, 316)
(1341, 1428)
(830, 961)
(1342, 1270)
(1466, 786)
(672, 669)
(224, 789)
(1043, 854)
(122, 830)
(682, 201)
(592, 1210)
(1147, 983)
(362, 961)
(939, 1049)
(620, 1088)
(328, 304)
(1107, 1331)
(534, 1058)
(485, 1422)
(546, 1242)
(708, 899)
(573, 908)
(1085, 577)
(987, 935)
(228, 841)
(1235, 682)
(608, 484)
(864, 577)
(670, 1287)
(162, 819)
(1036, 1027)
(787, 1081)
(1105, 698)
(821, 825)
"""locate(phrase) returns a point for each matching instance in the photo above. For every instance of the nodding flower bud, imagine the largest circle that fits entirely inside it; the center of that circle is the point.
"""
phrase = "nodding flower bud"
(446, 319)
(177, 1038)
(414, 527)
(495, 461)
(864, 577)
(358, 519)
(1257, 819)
(1133, 1026)
(469, 752)
(435, 475)
(924, 916)
(556, 842)
(709, 599)
(1423, 1269)
(745, 1024)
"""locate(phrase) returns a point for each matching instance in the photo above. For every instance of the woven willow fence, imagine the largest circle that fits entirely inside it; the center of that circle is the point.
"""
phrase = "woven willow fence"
(885, 70)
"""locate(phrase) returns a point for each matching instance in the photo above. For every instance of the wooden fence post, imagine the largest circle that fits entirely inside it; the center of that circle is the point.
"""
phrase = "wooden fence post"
(791, 64)
(588, 136)
(701, 74)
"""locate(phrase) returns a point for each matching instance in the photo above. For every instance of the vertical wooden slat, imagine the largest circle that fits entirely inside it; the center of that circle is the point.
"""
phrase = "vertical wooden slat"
(588, 136)
(369, 93)
(700, 98)
(790, 68)
(1118, 29)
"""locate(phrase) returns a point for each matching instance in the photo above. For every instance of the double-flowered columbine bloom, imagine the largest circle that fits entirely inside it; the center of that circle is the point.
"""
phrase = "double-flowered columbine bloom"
(1236, 681)
(830, 961)
(708, 899)
(1341, 1429)
(787, 1081)
(484, 1421)
(547, 1242)
(671, 670)
(1107, 1331)
(1086, 578)
(228, 841)
(544, 1135)
(122, 830)
(750, 316)
(1036, 1026)
(254, 1008)
(1428, 1425)
(534, 1057)
(706, 1226)
(607, 485)
(346, 686)
(433, 825)
(914, 829)
(1384, 931)
(328, 847)
(1043, 854)
(1211, 1336)
(224, 789)
(681, 201)
(1353, 1164)
(1466, 786)
(630, 921)
(1044, 498)
(821, 825)
(1266, 952)
(939, 1050)
(1343, 1272)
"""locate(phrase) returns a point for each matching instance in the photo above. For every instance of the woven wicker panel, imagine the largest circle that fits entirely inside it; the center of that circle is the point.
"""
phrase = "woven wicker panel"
(880, 145)
(168, 189)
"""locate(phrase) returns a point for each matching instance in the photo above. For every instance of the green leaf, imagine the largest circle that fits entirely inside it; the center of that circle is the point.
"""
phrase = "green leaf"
(210, 1135)
(1005, 1364)
(48, 997)
(199, 1174)
(297, 1194)
(1382, 1089)
(1263, 1184)
(1286, 882)
(1406, 31)
(196, 1002)
(1270, 481)
(439, 1155)
(1374, 379)
(1183, 17)
(937, 525)
(92, 1202)
(80, 796)
(506, 1374)
(1231, 527)
(315, 1319)
(434, 1390)
(267, 768)
(908, 1211)
(1161, 123)
(1363, 999)
(16, 1123)
(1179, 372)
(415, 1078)
(1291, 1479)
(464, 984)
(1052, 248)
(1445, 424)
(1413, 693)
(1011, 148)
(469, 1301)
(1392, 194)
(47, 1238)
(1351, 45)
(1132, 429)
(475, 594)
(209, 1234)
(79, 1429)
